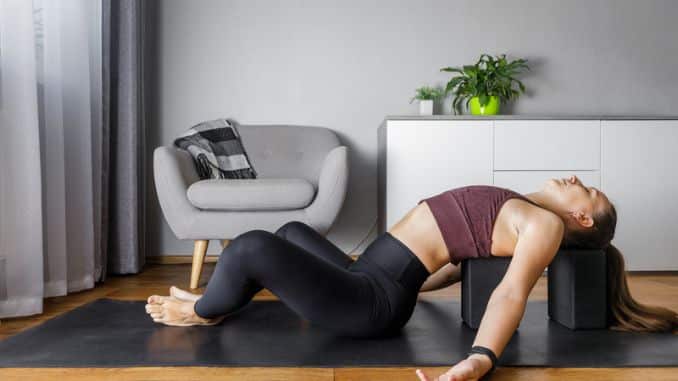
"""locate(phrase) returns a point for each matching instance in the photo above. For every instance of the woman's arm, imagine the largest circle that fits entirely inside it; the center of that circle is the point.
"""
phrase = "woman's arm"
(447, 275)
(536, 247)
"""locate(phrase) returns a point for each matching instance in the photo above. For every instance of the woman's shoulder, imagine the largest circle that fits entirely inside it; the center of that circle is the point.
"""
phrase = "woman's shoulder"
(536, 218)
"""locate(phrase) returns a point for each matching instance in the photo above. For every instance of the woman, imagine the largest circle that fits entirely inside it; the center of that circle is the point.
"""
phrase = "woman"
(376, 294)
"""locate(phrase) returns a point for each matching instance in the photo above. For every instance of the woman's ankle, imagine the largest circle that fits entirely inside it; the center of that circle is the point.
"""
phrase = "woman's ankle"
(195, 313)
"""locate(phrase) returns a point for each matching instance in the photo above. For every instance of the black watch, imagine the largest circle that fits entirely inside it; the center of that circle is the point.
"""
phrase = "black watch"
(484, 351)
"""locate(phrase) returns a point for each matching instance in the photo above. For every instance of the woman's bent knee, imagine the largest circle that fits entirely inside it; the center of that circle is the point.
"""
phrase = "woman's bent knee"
(252, 239)
(255, 242)
(291, 225)
(246, 244)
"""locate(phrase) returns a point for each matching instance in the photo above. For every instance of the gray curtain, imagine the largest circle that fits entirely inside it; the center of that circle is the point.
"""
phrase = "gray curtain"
(123, 136)
(71, 141)
(50, 112)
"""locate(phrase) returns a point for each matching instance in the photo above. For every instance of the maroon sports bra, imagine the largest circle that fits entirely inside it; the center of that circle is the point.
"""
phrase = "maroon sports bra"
(466, 216)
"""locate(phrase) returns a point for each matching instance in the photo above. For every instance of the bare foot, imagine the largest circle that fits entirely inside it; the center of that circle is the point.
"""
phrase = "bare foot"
(183, 294)
(170, 310)
(174, 292)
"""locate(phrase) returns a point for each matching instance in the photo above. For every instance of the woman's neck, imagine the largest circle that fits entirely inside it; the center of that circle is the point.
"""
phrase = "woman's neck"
(539, 198)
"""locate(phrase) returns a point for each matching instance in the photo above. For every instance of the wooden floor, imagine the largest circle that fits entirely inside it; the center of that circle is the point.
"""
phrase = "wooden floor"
(659, 289)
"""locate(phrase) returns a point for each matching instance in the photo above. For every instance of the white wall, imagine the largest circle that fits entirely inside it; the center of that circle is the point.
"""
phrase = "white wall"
(346, 64)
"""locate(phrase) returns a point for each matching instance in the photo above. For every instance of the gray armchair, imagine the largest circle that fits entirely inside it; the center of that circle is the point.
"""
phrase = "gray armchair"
(302, 175)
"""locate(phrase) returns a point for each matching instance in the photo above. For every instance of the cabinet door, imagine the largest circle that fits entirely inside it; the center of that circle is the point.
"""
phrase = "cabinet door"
(638, 174)
(547, 145)
(426, 157)
(532, 181)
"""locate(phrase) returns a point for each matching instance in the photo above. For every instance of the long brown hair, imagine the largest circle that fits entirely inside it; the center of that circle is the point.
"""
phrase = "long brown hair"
(624, 312)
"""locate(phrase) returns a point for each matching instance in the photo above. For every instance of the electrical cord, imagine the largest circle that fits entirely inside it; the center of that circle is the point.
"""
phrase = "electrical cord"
(364, 238)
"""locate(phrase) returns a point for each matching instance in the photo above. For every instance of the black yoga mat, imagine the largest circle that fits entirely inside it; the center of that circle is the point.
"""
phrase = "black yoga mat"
(110, 333)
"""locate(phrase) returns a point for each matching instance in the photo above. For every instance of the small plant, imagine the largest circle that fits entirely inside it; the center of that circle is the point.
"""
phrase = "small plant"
(489, 77)
(426, 93)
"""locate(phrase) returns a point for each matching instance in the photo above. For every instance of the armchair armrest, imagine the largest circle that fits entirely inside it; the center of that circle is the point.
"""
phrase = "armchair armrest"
(173, 172)
(332, 185)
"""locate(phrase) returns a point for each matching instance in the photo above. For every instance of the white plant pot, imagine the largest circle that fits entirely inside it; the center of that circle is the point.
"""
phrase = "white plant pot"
(426, 107)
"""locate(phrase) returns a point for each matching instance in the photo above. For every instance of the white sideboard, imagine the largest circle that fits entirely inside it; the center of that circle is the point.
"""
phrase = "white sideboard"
(630, 159)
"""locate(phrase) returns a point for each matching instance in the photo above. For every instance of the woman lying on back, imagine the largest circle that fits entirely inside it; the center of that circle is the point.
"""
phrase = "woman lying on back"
(376, 294)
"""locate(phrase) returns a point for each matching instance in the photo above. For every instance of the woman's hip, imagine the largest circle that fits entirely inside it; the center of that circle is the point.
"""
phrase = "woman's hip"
(392, 263)
(396, 275)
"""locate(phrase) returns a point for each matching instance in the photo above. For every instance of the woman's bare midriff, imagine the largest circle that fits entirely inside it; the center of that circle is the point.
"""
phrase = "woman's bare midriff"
(419, 232)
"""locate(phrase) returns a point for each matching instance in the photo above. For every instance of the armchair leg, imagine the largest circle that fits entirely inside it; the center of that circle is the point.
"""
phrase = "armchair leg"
(199, 251)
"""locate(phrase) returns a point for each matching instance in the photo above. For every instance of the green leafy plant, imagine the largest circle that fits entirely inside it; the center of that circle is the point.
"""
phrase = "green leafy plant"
(490, 76)
(426, 93)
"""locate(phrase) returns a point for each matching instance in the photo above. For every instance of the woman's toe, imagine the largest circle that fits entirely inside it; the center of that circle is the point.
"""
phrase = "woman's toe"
(157, 315)
(150, 308)
(159, 299)
(183, 294)
(177, 293)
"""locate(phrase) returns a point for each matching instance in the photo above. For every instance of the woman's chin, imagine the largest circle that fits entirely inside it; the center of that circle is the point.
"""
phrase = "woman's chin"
(549, 184)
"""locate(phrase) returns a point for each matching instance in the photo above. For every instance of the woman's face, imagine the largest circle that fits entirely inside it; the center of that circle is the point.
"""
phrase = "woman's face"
(575, 201)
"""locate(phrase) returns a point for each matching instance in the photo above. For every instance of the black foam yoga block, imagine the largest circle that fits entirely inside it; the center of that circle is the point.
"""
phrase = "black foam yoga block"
(479, 277)
(577, 293)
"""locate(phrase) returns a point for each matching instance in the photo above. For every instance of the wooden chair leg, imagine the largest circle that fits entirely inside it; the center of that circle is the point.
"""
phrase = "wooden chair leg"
(199, 251)
(225, 242)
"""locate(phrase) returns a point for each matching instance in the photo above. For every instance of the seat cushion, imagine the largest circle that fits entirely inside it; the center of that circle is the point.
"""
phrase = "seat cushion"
(251, 194)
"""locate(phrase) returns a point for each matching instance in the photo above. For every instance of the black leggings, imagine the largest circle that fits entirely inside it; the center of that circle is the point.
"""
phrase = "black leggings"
(372, 296)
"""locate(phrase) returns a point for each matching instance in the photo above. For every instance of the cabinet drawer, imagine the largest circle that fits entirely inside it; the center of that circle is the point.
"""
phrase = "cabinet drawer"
(546, 145)
(532, 181)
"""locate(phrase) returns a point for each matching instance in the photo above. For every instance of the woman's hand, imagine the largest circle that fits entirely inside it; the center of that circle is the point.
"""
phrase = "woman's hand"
(469, 369)
(445, 276)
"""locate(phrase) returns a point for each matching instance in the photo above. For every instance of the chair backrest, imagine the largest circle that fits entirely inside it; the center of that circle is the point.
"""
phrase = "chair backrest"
(278, 151)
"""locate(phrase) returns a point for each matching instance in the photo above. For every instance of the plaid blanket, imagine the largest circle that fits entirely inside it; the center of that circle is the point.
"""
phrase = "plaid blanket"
(217, 150)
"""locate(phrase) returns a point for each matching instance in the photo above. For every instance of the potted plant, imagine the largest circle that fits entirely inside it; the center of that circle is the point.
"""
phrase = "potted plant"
(426, 95)
(485, 84)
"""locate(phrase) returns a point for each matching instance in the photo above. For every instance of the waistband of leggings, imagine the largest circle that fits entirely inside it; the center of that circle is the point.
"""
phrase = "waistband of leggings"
(396, 259)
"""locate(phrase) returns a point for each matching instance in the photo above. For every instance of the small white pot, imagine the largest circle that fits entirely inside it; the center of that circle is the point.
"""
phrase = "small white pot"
(426, 107)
